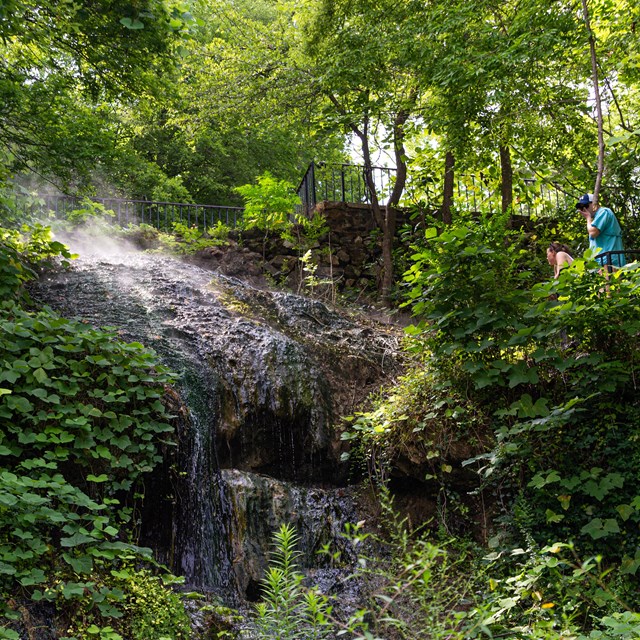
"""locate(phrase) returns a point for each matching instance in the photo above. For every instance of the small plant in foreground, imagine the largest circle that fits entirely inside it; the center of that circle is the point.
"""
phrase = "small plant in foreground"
(289, 611)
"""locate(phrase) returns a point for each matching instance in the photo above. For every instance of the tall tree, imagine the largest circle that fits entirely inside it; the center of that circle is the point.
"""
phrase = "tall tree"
(362, 59)
(242, 103)
(63, 66)
(501, 79)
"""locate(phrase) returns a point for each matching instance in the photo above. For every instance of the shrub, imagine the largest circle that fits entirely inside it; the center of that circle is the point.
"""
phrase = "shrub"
(147, 609)
(554, 365)
(22, 253)
(269, 204)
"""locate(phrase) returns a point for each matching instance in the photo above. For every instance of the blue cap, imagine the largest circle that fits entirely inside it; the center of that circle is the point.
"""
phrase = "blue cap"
(587, 198)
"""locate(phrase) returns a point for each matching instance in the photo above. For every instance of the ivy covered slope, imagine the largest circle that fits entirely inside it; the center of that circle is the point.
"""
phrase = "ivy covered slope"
(553, 367)
(81, 421)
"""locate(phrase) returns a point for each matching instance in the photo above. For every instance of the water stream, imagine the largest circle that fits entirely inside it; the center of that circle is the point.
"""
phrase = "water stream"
(264, 376)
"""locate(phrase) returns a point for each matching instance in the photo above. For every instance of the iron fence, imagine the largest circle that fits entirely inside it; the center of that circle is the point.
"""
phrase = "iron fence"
(473, 193)
(614, 259)
(346, 183)
(161, 215)
(343, 183)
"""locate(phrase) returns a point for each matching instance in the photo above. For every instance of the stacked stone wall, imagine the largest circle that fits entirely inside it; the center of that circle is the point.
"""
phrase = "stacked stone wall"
(348, 256)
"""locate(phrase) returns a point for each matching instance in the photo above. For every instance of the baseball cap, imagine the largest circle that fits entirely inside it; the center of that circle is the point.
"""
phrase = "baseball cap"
(585, 199)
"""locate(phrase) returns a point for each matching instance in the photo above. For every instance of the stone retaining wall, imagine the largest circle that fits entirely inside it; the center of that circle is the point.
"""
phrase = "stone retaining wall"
(349, 254)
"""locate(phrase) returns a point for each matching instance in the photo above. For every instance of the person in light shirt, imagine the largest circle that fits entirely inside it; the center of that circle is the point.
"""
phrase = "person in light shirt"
(604, 231)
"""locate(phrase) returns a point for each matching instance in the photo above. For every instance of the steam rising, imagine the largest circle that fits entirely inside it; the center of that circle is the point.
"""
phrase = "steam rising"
(94, 239)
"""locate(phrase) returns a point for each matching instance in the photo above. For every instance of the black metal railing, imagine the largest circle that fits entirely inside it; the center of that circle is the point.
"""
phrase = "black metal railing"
(615, 259)
(161, 215)
(343, 183)
(530, 197)
(347, 183)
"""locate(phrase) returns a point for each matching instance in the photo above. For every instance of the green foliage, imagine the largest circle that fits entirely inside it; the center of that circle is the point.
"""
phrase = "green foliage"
(306, 232)
(287, 610)
(471, 319)
(22, 253)
(171, 190)
(182, 240)
(546, 593)
(552, 364)
(144, 236)
(187, 240)
(311, 283)
(269, 204)
(221, 621)
(139, 176)
(146, 608)
(81, 421)
(67, 65)
(415, 588)
(418, 420)
(88, 217)
(455, 591)
(88, 211)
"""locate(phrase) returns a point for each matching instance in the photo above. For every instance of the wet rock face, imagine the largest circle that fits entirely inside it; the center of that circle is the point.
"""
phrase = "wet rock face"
(265, 377)
(278, 369)
(260, 504)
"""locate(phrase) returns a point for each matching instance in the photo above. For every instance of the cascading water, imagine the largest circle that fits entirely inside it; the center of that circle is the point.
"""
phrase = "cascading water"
(264, 375)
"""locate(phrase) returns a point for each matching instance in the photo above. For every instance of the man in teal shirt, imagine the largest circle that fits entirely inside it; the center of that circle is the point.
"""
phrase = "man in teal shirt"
(604, 231)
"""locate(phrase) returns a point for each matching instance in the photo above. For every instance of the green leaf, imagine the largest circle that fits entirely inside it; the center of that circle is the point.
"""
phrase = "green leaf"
(76, 540)
(103, 477)
(625, 511)
(7, 569)
(598, 528)
(132, 24)
(73, 590)
(553, 517)
(34, 576)
(40, 375)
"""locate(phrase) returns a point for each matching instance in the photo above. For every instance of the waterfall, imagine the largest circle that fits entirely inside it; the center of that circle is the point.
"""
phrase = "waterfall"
(264, 377)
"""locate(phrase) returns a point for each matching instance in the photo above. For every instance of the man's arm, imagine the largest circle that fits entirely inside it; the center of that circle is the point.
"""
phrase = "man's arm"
(592, 230)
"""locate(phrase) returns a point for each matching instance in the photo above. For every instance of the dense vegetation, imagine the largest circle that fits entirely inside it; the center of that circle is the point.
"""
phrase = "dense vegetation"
(193, 102)
(545, 372)
(83, 420)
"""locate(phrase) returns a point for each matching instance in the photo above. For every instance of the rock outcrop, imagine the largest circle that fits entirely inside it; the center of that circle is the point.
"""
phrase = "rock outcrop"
(265, 377)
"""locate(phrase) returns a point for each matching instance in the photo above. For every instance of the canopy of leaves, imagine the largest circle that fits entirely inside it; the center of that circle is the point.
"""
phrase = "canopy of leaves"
(63, 66)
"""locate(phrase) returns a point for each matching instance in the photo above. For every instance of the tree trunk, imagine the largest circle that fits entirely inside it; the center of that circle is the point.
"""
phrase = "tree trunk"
(386, 222)
(389, 230)
(507, 178)
(363, 134)
(596, 89)
(449, 179)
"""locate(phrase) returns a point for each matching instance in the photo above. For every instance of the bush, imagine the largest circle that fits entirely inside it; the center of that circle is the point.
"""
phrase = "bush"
(553, 364)
(147, 609)
(269, 204)
(552, 367)
(22, 253)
